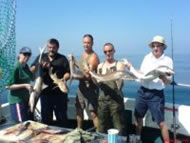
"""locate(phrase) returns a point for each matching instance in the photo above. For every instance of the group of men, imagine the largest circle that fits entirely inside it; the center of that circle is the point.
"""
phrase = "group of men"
(104, 100)
(109, 104)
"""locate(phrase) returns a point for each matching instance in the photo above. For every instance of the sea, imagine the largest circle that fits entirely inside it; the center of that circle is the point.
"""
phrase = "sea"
(180, 95)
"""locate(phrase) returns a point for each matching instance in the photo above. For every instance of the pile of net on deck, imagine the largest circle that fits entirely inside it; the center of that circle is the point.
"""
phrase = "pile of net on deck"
(7, 39)
(81, 136)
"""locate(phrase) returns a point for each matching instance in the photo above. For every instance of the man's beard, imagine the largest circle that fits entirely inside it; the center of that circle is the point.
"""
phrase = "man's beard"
(52, 55)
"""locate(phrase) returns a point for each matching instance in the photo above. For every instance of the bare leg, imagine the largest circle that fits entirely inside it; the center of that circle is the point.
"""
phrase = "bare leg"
(139, 124)
(164, 131)
(79, 118)
(95, 120)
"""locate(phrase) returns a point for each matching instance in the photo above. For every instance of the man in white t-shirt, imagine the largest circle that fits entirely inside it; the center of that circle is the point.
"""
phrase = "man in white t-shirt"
(110, 101)
(151, 95)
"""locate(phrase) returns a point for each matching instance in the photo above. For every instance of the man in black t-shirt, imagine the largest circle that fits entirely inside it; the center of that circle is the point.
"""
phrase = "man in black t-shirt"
(52, 98)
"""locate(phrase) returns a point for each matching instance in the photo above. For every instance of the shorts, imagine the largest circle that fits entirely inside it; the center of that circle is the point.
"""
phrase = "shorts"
(87, 99)
(150, 99)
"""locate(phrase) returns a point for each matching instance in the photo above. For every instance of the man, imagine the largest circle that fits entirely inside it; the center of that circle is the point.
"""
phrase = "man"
(110, 102)
(87, 94)
(19, 86)
(151, 95)
(52, 98)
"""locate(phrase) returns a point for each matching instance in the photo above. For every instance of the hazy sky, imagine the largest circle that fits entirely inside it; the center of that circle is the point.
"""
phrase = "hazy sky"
(128, 24)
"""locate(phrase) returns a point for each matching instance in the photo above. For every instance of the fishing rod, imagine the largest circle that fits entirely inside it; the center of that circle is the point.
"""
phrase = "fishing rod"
(174, 125)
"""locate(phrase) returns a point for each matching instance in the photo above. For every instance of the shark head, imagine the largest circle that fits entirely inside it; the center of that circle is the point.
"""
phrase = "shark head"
(70, 57)
(42, 50)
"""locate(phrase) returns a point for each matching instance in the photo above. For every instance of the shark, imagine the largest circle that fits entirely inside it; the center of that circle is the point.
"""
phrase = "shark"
(74, 74)
(155, 72)
(116, 75)
(113, 76)
(38, 84)
(62, 84)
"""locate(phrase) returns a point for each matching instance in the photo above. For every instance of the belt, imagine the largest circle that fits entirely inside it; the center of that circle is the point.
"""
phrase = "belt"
(151, 90)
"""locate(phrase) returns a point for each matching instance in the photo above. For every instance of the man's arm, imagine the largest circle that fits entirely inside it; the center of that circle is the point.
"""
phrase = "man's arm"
(121, 67)
(19, 86)
(92, 64)
(166, 79)
(13, 84)
(33, 69)
(66, 76)
(33, 66)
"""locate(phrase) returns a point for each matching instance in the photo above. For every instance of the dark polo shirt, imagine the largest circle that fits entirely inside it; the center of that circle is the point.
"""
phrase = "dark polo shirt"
(60, 66)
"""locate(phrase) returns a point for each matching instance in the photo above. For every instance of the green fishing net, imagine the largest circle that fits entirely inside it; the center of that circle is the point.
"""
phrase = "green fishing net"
(7, 40)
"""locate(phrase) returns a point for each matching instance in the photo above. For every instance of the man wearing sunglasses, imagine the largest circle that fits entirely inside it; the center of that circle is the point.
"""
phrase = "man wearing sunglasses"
(110, 101)
(52, 98)
(20, 88)
(151, 95)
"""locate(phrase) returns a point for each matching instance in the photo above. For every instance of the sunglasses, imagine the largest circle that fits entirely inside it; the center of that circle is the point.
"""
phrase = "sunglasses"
(27, 54)
(108, 51)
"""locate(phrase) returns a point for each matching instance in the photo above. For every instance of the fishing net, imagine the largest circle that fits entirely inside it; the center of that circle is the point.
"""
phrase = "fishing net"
(7, 40)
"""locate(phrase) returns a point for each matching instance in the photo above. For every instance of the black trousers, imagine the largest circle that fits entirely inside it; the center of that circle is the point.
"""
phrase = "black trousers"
(56, 103)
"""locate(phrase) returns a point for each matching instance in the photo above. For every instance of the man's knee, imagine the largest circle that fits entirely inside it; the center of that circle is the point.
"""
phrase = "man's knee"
(79, 113)
(93, 114)
(162, 125)
(139, 121)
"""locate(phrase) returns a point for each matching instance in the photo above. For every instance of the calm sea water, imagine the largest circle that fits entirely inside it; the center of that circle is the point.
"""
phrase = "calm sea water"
(181, 67)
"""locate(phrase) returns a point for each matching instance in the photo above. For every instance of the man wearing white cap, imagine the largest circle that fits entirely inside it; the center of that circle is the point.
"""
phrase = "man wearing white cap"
(151, 95)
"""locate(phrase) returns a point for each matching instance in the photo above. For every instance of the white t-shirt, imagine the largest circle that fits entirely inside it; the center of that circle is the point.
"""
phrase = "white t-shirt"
(149, 63)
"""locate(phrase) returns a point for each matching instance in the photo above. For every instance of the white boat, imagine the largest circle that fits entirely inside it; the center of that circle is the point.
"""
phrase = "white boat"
(182, 118)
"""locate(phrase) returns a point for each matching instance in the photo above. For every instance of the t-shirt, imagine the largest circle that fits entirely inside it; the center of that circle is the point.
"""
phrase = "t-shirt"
(60, 66)
(149, 63)
(21, 74)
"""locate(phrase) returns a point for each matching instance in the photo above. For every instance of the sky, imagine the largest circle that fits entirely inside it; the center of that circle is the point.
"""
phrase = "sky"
(128, 24)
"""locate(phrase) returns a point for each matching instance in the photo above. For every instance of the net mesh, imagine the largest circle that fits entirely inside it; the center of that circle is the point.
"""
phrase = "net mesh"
(7, 39)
